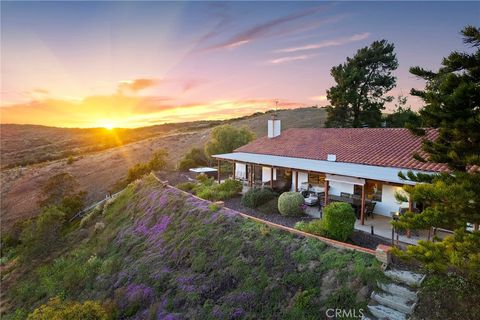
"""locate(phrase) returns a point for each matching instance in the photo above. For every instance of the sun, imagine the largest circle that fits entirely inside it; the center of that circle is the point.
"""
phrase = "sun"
(109, 126)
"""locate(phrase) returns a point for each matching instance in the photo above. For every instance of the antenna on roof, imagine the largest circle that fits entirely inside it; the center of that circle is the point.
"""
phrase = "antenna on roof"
(274, 115)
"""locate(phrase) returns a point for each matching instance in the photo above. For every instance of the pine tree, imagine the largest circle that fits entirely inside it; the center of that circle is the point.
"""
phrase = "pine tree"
(452, 200)
(359, 96)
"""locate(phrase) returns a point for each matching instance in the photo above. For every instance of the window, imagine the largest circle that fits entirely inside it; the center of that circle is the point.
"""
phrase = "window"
(373, 190)
(316, 179)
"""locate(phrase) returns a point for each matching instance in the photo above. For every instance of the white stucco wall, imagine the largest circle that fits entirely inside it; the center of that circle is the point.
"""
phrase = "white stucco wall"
(302, 177)
(389, 203)
(266, 174)
(337, 187)
(240, 170)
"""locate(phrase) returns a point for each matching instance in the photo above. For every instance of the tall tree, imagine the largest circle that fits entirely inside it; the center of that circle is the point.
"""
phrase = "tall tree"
(403, 116)
(359, 96)
(452, 104)
(226, 138)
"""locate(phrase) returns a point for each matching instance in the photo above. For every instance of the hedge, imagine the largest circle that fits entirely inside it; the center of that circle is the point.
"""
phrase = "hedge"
(290, 204)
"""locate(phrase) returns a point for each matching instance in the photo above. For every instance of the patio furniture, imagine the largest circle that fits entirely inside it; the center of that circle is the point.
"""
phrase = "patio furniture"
(369, 207)
(304, 186)
(311, 200)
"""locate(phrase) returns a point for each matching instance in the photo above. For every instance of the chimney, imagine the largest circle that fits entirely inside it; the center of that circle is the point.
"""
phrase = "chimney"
(274, 127)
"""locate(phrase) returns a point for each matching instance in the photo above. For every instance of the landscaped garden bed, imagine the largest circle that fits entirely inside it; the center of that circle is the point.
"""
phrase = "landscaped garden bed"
(358, 237)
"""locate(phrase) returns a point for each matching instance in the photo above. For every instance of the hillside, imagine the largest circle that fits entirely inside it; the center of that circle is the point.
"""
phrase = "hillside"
(30, 144)
(157, 253)
(98, 171)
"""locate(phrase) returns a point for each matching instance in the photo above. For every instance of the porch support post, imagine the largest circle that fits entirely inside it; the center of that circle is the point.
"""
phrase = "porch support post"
(362, 207)
(271, 177)
(234, 165)
(296, 180)
(218, 171)
(410, 208)
(326, 191)
(253, 174)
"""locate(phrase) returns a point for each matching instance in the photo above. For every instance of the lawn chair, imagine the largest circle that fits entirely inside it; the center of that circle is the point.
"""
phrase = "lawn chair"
(369, 207)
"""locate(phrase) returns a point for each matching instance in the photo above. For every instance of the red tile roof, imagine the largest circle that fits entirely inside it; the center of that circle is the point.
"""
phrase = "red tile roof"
(386, 147)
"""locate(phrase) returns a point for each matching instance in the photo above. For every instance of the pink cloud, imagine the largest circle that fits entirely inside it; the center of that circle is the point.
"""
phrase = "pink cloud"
(327, 43)
(264, 29)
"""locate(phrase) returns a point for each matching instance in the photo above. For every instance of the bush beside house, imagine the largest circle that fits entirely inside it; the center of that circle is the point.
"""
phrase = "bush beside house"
(257, 197)
(338, 220)
(207, 188)
(290, 204)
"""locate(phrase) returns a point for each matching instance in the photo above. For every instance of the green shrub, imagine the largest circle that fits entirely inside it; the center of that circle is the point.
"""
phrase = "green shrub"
(194, 158)
(186, 186)
(213, 207)
(209, 190)
(87, 219)
(42, 234)
(338, 220)
(255, 197)
(59, 310)
(230, 186)
(186, 164)
(270, 207)
(137, 171)
(313, 227)
(204, 179)
(158, 161)
(290, 204)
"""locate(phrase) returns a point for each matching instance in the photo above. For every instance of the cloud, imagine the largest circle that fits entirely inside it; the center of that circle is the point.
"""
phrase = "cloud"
(263, 29)
(288, 59)
(40, 90)
(319, 98)
(192, 84)
(327, 43)
(136, 85)
(130, 111)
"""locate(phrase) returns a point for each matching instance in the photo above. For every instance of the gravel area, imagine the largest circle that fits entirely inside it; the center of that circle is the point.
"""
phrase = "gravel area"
(358, 238)
(235, 204)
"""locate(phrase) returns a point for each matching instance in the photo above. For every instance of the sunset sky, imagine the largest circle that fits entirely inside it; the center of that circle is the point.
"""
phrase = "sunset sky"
(129, 64)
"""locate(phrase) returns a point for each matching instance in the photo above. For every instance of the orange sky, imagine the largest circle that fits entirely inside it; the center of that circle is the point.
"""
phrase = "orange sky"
(130, 64)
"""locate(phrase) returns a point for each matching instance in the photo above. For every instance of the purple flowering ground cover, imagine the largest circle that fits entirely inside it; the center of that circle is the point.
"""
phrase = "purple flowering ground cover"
(166, 255)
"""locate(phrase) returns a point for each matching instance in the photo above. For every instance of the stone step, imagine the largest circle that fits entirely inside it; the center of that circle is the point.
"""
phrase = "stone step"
(398, 290)
(395, 302)
(406, 277)
(386, 313)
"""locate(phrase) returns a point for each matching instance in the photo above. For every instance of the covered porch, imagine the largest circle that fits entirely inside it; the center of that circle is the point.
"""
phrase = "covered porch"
(381, 226)
(322, 181)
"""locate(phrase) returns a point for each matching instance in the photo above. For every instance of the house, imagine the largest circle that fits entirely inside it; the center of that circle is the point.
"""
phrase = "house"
(335, 161)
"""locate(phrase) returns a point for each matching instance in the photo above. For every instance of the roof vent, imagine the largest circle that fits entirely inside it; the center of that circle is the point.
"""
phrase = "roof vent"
(331, 157)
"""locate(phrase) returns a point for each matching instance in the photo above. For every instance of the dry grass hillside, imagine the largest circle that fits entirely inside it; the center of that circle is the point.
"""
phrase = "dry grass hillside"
(98, 171)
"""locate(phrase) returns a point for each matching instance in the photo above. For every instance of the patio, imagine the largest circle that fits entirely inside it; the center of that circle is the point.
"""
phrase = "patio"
(381, 227)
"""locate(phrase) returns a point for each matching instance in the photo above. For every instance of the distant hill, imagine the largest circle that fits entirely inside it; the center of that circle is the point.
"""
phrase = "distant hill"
(156, 253)
(98, 171)
(30, 144)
